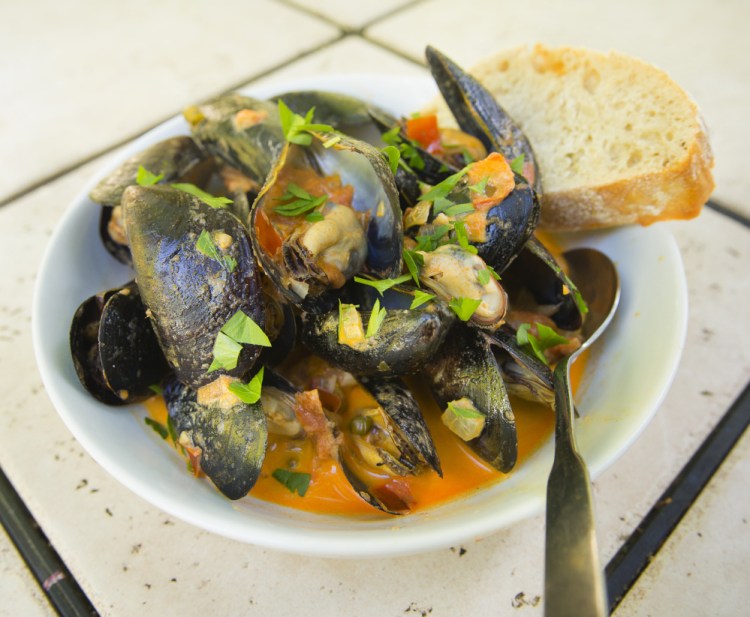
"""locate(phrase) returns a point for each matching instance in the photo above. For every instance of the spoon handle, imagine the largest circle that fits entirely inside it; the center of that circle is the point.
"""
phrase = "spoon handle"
(574, 582)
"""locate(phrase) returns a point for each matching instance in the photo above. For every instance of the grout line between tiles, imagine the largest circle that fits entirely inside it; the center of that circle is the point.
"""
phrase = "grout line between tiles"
(54, 578)
(641, 547)
(33, 186)
(728, 212)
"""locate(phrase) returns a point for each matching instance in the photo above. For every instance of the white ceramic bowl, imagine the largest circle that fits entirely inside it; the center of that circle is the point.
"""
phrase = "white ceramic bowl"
(622, 388)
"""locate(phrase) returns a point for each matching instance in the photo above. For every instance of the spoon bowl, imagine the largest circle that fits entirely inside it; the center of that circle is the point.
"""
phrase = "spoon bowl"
(574, 582)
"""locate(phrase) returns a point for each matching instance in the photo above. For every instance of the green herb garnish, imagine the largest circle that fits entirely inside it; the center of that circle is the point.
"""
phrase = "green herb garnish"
(443, 188)
(463, 411)
(483, 277)
(295, 481)
(240, 329)
(156, 389)
(429, 242)
(296, 128)
(332, 142)
(481, 186)
(463, 238)
(420, 298)
(413, 261)
(248, 392)
(206, 246)
(459, 209)
(298, 201)
(383, 284)
(314, 217)
(393, 154)
(376, 318)
(546, 338)
(145, 178)
(160, 428)
(406, 148)
(464, 307)
(206, 198)
(516, 164)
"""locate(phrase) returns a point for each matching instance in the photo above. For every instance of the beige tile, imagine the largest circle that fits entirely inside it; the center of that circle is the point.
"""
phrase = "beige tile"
(81, 76)
(703, 45)
(702, 569)
(350, 14)
(17, 582)
(351, 55)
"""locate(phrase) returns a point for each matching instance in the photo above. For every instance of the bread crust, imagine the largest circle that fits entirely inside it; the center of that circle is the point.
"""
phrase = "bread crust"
(677, 191)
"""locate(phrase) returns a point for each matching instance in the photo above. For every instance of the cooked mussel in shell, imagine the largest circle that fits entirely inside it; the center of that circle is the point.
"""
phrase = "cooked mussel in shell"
(115, 352)
(227, 437)
(192, 287)
(327, 211)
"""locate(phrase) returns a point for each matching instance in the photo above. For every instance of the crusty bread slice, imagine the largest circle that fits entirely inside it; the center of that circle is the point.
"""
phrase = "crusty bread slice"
(616, 139)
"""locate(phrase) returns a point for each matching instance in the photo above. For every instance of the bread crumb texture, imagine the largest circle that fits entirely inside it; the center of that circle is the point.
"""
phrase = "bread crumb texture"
(617, 141)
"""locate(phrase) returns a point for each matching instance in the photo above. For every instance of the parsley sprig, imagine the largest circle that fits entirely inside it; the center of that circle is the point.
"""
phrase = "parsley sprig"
(248, 392)
(145, 178)
(297, 128)
(382, 284)
(207, 246)
(238, 330)
(546, 337)
(206, 198)
(298, 201)
(406, 148)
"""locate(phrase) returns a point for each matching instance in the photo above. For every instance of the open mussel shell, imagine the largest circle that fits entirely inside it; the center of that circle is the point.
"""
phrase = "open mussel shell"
(242, 131)
(345, 113)
(230, 434)
(523, 374)
(112, 234)
(535, 281)
(404, 342)
(308, 259)
(280, 327)
(478, 113)
(466, 367)
(384, 442)
(115, 351)
(190, 295)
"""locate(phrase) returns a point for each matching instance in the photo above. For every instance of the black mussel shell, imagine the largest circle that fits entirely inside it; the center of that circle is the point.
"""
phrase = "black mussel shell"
(171, 158)
(524, 375)
(232, 438)
(479, 114)
(242, 131)
(535, 280)
(509, 225)
(115, 351)
(112, 233)
(190, 295)
(405, 341)
(466, 367)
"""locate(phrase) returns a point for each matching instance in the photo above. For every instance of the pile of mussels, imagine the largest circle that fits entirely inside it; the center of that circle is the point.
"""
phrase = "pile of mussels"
(311, 221)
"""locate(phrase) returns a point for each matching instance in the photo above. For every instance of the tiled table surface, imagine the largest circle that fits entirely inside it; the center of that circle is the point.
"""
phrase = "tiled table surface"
(80, 78)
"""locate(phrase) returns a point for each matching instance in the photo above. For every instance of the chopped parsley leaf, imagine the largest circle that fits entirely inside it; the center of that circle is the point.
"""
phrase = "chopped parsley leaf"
(295, 481)
(206, 198)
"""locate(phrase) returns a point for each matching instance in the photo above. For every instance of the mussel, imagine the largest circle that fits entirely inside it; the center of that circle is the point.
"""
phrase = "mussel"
(228, 437)
(466, 369)
(404, 342)
(195, 270)
(115, 352)
(326, 212)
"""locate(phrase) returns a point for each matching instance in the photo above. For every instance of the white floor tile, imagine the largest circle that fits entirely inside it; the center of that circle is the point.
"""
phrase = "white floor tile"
(351, 14)
(18, 588)
(78, 77)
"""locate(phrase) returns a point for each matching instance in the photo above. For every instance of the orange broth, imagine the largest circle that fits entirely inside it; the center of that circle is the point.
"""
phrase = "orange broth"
(463, 471)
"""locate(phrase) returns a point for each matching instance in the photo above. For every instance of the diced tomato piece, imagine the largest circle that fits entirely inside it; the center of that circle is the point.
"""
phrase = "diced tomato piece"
(424, 130)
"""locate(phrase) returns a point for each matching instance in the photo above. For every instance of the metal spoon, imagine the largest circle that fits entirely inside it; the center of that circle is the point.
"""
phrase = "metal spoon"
(574, 581)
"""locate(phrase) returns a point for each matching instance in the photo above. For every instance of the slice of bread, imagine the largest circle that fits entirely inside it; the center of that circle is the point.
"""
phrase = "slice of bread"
(617, 140)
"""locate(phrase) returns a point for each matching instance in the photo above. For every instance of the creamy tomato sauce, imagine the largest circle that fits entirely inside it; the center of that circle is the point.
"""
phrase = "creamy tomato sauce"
(463, 471)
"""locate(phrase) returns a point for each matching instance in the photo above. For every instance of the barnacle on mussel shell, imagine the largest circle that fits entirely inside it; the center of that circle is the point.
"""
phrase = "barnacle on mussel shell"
(356, 226)
(115, 352)
(191, 295)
